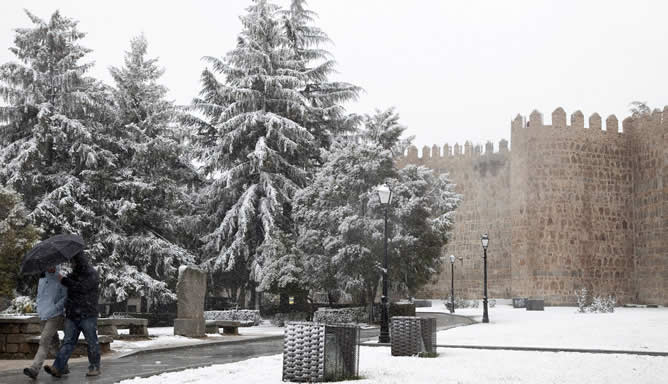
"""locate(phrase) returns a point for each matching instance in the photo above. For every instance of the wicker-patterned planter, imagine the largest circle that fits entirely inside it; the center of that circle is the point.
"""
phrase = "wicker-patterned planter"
(314, 352)
(413, 335)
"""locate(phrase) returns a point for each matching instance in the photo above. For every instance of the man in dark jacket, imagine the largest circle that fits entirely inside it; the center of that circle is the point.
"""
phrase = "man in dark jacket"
(80, 316)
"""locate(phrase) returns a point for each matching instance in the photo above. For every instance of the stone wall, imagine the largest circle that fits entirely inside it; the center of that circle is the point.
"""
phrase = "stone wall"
(650, 209)
(483, 181)
(19, 339)
(570, 206)
(14, 334)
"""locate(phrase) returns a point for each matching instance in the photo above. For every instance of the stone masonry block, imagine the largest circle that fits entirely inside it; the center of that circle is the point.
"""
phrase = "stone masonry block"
(16, 338)
(31, 328)
(9, 328)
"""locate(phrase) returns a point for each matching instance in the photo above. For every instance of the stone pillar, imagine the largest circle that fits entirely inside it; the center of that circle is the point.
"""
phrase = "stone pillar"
(190, 291)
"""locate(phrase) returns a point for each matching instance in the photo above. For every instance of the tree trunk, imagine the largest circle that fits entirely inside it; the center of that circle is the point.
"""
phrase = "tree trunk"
(241, 300)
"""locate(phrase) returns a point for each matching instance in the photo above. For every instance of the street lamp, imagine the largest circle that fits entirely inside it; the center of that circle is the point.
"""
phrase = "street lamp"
(385, 196)
(452, 281)
(485, 241)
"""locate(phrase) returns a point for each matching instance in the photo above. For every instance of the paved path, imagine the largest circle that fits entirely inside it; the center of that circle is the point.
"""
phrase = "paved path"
(148, 364)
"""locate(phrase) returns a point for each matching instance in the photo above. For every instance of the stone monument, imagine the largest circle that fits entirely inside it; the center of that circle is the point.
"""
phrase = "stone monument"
(190, 291)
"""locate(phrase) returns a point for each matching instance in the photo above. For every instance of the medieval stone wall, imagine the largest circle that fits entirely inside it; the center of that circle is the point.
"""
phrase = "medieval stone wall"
(650, 206)
(568, 207)
(483, 180)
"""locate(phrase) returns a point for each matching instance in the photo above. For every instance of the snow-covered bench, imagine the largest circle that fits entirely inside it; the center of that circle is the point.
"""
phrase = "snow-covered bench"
(230, 327)
(109, 326)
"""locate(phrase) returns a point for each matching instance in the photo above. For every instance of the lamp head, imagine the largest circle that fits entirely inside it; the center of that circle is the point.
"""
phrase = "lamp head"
(484, 240)
(384, 194)
(452, 259)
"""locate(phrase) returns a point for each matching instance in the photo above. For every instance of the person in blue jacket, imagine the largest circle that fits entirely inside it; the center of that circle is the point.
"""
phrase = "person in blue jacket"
(51, 296)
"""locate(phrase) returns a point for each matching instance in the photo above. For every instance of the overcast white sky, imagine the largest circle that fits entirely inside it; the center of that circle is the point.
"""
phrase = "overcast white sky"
(455, 70)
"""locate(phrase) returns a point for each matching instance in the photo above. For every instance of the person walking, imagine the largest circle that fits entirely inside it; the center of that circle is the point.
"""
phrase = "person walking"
(51, 297)
(80, 316)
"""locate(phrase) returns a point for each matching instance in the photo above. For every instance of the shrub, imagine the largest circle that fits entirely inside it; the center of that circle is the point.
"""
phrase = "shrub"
(243, 315)
(599, 304)
(581, 299)
(21, 305)
(463, 303)
(602, 304)
(341, 315)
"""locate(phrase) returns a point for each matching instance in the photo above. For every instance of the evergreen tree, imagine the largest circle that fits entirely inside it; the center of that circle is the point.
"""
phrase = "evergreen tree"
(147, 211)
(17, 236)
(324, 115)
(341, 221)
(253, 149)
(52, 141)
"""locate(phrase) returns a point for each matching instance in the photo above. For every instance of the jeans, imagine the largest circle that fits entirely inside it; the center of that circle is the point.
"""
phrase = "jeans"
(48, 336)
(72, 329)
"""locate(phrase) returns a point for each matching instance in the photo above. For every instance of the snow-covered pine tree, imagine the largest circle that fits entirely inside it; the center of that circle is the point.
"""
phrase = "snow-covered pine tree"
(425, 207)
(52, 141)
(147, 210)
(17, 236)
(256, 154)
(341, 222)
(324, 116)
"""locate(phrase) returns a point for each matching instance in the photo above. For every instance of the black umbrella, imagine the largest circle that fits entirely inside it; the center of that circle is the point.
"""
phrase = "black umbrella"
(50, 252)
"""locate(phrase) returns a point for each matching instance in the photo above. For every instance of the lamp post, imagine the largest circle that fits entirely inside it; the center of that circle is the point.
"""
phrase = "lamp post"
(385, 196)
(485, 241)
(452, 282)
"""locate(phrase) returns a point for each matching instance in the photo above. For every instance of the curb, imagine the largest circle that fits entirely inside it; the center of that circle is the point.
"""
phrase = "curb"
(200, 345)
(540, 349)
(469, 319)
(556, 349)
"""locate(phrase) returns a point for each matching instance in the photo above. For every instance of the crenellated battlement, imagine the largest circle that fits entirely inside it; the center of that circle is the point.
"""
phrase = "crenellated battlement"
(559, 121)
(458, 151)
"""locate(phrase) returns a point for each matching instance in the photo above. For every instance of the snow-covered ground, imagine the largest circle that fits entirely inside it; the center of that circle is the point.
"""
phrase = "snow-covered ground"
(451, 366)
(641, 329)
(627, 328)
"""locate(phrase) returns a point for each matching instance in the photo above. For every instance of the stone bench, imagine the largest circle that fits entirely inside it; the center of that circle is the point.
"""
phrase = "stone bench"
(520, 302)
(230, 327)
(80, 350)
(535, 305)
(109, 326)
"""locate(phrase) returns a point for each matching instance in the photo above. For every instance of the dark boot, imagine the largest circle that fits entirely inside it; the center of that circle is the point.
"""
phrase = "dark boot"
(53, 371)
(31, 373)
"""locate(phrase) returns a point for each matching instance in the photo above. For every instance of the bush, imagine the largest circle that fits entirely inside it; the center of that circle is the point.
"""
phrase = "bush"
(463, 303)
(243, 315)
(401, 309)
(581, 299)
(341, 315)
(599, 304)
(21, 305)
